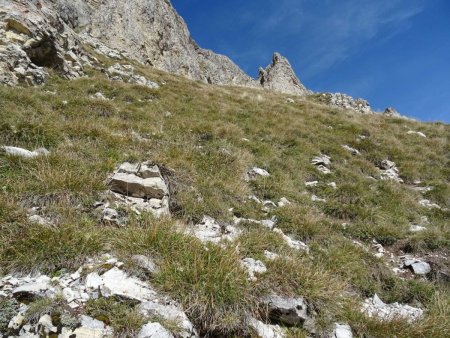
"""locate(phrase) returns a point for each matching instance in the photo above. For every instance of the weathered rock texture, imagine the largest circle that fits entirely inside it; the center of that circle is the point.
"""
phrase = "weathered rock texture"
(279, 76)
(41, 34)
(33, 36)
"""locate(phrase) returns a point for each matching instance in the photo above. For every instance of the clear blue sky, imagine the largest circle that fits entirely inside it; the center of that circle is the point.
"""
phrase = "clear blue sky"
(390, 52)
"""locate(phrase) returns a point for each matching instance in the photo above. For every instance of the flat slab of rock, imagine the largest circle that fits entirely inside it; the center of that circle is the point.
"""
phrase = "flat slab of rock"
(39, 288)
(117, 283)
(132, 185)
(417, 266)
(141, 187)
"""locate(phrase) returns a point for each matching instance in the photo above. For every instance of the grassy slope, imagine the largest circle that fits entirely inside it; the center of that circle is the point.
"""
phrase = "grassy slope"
(202, 145)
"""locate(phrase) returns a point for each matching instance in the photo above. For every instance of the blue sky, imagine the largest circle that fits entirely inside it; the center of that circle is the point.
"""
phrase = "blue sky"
(390, 52)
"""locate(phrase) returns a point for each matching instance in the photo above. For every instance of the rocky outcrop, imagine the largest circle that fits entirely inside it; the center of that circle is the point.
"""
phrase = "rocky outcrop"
(344, 101)
(153, 33)
(279, 76)
(33, 36)
(391, 112)
(40, 34)
(141, 187)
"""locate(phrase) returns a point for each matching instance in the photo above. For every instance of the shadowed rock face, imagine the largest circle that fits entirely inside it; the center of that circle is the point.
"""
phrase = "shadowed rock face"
(279, 76)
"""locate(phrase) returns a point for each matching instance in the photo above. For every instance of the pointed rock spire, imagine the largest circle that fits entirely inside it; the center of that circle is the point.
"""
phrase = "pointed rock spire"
(280, 76)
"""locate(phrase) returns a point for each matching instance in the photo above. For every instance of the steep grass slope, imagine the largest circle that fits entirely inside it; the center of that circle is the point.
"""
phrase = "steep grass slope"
(206, 138)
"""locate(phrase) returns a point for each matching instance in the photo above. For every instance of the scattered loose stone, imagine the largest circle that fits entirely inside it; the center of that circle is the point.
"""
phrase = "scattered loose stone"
(419, 133)
(145, 263)
(423, 190)
(311, 184)
(39, 287)
(209, 230)
(391, 112)
(99, 96)
(428, 204)
(283, 202)
(292, 243)
(116, 283)
(141, 187)
(39, 220)
(344, 101)
(289, 100)
(342, 331)
(172, 313)
(315, 198)
(416, 228)
(322, 163)
(271, 256)
(353, 151)
(20, 152)
(375, 307)
(125, 73)
(253, 267)
(154, 330)
(266, 330)
(288, 310)
(254, 172)
(389, 171)
(417, 266)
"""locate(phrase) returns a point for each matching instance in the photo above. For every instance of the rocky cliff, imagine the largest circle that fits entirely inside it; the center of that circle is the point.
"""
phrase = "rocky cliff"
(279, 76)
(49, 33)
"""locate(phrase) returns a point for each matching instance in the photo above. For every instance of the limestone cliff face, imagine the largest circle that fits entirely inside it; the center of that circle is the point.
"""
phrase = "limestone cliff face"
(152, 32)
(49, 33)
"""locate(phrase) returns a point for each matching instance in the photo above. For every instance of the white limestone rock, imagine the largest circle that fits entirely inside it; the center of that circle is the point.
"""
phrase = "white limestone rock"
(292, 243)
(428, 204)
(171, 313)
(322, 163)
(41, 287)
(24, 153)
(253, 267)
(254, 172)
(154, 330)
(417, 266)
(116, 282)
(353, 151)
(342, 331)
(266, 330)
(375, 307)
(419, 133)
